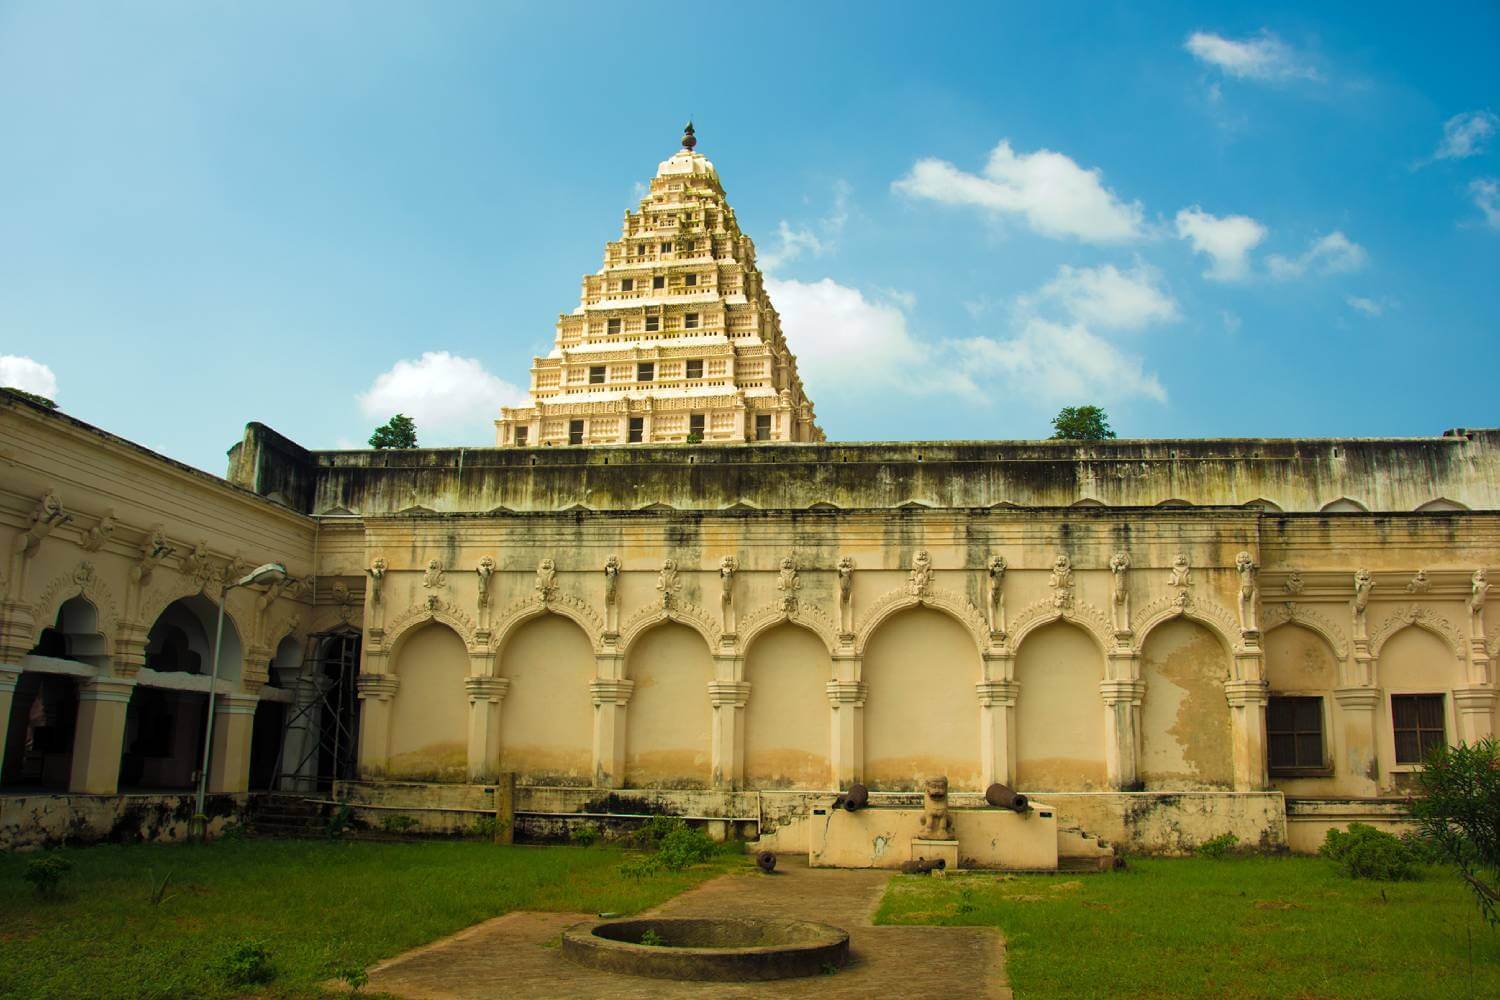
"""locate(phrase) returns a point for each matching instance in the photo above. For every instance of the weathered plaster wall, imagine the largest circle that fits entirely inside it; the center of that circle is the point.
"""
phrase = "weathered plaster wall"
(36, 821)
(547, 719)
(667, 735)
(1060, 718)
(786, 719)
(429, 715)
(921, 718)
(1185, 718)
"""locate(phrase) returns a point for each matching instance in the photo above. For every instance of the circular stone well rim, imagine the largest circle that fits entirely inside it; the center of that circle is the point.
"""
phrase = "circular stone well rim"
(814, 948)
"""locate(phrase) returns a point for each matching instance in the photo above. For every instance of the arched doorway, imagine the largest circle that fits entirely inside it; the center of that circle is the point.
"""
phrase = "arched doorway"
(38, 751)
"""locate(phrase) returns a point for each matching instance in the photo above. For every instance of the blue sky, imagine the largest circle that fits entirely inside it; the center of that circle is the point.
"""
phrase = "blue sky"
(1213, 220)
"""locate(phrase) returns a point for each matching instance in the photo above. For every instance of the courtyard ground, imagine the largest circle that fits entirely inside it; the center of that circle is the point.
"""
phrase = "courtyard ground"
(1238, 927)
(420, 916)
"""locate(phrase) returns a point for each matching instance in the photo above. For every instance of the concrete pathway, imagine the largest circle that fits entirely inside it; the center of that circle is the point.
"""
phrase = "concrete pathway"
(517, 955)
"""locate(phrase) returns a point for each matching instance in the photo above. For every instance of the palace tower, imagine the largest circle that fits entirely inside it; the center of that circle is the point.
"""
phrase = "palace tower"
(674, 340)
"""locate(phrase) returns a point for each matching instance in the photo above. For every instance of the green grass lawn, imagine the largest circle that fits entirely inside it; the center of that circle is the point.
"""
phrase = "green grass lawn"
(318, 905)
(1241, 927)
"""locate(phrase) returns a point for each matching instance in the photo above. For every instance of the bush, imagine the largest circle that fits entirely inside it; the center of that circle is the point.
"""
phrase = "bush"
(1460, 814)
(656, 828)
(584, 835)
(398, 824)
(484, 828)
(1365, 852)
(46, 874)
(338, 822)
(684, 847)
(247, 963)
(1216, 848)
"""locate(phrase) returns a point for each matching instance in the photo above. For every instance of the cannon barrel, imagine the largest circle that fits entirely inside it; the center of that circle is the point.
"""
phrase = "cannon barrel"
(1004, 797)
(856, 798)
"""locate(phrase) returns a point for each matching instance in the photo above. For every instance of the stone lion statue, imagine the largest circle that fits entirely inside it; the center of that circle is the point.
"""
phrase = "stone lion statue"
(936, 823)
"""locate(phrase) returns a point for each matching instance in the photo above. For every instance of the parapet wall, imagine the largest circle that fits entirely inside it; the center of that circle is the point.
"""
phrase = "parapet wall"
(1455, 471)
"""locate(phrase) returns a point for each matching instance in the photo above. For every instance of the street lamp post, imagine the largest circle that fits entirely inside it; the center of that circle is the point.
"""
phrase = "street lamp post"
(261, 574)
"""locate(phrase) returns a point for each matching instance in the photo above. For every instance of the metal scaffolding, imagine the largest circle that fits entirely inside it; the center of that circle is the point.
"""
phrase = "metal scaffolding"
(319, 738)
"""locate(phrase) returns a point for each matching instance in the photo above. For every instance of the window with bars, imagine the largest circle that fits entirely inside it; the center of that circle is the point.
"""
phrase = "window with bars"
(666, 248)
(596, 375)
(694, 368)
(645, 371)
(1294, 734)
(1418, 722)
(690, 321)
(612, 327)
(695, 424)
(762, 427)
(521, 433)
(660, 281)
(637, 430)
(575, 432)
(690, 280)
(627, 284)
(653, 324)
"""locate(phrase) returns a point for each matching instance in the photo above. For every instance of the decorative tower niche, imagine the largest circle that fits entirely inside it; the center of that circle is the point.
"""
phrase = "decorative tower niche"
(674, 340)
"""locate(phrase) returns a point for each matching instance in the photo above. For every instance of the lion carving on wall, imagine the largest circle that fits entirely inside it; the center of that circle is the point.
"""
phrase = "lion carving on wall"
(936, 823)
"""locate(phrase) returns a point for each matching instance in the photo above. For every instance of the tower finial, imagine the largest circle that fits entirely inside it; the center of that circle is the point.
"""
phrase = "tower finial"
(688, 139)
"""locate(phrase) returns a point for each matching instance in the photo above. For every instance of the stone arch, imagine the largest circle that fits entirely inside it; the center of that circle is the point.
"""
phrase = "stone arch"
(1172, 503)
(1223, 623)
(921, 712)
(73, 633)
(1269, 506)
(1044, 612)
(1186, 741)
(1275, 616)
(690, 615)
(669, 719)
(1343, 505)
(772, 616)
(1059, 712)
(951, 604)
(1423, 618)
(787, 718)
(1087, 502)
(571, 608)
(429, 712)
(1438, 504)
(443, 612)
(546, 717)
(196, 617)
(83, 581)
(1291, 655)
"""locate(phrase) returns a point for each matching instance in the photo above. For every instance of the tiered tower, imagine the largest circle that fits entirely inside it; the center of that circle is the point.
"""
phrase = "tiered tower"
(675, 339)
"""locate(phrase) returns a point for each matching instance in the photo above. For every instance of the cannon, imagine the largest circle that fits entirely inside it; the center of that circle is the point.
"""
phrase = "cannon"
(1004, 797)
(923, 866)
(855, 799)
(766, 861)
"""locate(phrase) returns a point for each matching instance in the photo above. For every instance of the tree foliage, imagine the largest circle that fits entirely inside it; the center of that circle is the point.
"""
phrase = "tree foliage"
(1460, 812)
(398, 432)
(1081, 423)
(33, 397)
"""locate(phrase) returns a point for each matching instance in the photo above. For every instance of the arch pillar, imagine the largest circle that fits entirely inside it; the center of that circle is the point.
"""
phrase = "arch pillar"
(99, 736)
(298, 754)
(1474, 707)
(847, 753)
(17, 630)
(486, 696)
(611, 696)
(229, 763)
(1247, 719)
(376, 692)
(1361, 762)
(997, 730)
(9, 676)
(1122, 731)
(728, 699)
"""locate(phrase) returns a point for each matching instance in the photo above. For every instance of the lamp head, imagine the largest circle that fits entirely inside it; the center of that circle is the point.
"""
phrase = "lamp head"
(268, 573)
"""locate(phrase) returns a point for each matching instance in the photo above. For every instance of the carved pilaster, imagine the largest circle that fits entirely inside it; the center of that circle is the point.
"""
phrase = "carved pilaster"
(1247, 716)
(1474, 708)
(610, 700)
(846, 701)
(1122, 728)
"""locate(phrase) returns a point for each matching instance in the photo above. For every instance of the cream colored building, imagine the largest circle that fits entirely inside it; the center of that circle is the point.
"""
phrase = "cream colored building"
(1168, 639)
(674, 338)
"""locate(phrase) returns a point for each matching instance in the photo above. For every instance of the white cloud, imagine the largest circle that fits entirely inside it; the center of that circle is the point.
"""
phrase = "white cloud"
(1262, 57)
(846, 342)
(1053, 194)
(792, 243)
(1227, 239)
(1465, 135)
(1370, 307)
(1486, 194)
(1059, 362)
(19, 372)
(1331, 254)
(443, 393)
(1108, 298)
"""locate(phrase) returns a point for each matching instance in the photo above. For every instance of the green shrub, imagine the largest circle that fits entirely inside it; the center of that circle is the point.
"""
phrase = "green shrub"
(247, 963)
(46, 874)
(684, 847)
(655, 829)
(1365, 852)
(1423, 849)
(353, 976)
(650, 937)
(338, 822)
(1217, 848)
(584, 835)
(641, 867)
(1460, 814)
(484, 828)
(398, 824)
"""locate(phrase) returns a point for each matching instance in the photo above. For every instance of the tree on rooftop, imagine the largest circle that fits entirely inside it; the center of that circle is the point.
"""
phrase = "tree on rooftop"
(398, 432)
(1081, 423)
(38, 400)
